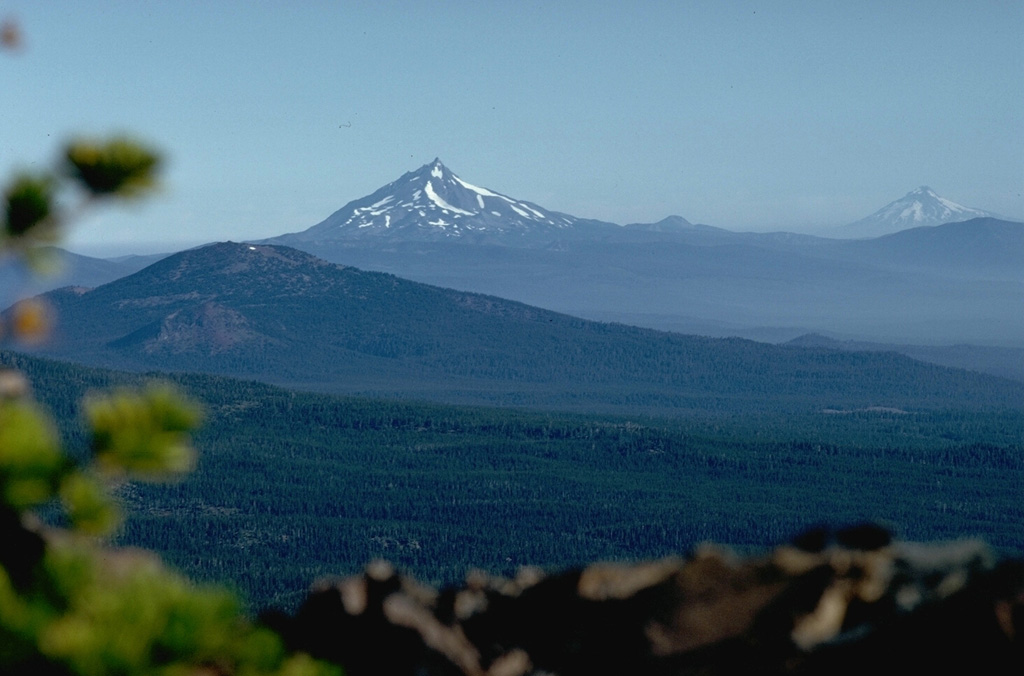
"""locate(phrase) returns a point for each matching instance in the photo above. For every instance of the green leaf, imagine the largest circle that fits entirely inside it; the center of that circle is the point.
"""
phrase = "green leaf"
(143, 432)
(29, 204)
(31, 462)
(120, 166)
(90, 508)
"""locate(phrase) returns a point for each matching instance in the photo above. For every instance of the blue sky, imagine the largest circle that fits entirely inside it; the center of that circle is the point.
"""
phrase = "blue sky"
(744, 115)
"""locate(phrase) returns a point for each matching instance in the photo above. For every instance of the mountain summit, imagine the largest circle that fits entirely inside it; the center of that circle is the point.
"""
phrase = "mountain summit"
(920, 207)
(432, 203)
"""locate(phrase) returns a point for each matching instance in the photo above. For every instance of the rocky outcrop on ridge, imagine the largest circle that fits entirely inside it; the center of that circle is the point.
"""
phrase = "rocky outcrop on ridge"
(851, 601)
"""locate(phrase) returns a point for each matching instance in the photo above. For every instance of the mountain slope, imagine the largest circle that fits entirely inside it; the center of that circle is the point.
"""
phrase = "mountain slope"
(1004, 362)
(980, 248)
(283, 316)
(957, 283)
(918, 208)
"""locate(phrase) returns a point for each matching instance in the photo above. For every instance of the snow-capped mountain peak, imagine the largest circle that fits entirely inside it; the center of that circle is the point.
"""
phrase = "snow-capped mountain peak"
(432, 202)
(919, 207)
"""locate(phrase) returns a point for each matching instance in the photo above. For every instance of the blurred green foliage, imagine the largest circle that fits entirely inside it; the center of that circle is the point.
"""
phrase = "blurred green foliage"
(118, 167)
(30, 200)
(68, 603)
(143, 433)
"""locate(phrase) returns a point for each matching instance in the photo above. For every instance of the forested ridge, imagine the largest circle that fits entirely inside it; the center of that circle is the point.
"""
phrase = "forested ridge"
(292, 486)
(282, 316)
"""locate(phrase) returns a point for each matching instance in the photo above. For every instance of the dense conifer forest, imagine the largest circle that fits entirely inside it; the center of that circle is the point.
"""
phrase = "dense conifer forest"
(294, 486)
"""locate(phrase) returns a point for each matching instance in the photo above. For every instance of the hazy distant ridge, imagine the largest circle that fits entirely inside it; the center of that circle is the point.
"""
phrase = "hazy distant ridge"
(280, 315)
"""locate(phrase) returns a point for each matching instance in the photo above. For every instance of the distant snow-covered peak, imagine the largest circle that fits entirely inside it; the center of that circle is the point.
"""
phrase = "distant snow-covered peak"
(919, 207)
(432, 202)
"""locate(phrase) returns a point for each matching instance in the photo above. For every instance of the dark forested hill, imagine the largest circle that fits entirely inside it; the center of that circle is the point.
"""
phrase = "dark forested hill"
(283, 316)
